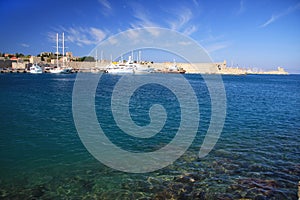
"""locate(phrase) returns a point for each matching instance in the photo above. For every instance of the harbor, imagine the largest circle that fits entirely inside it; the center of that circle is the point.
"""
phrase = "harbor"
(150, 100)
(164, 67)
(65, 63)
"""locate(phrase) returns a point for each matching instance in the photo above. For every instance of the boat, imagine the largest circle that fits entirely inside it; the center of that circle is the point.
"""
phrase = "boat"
(141, 69)
(173, 69)
(60, 69)
(35, 69)
(138, 68)
(130, 67)
(98, 68)
(121, 67)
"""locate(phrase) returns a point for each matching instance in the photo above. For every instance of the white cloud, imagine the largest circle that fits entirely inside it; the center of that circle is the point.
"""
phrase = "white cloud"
(271, 20)
(107, 8)
(143, 20)
(132, 33)
(105, 4)
(80, 35)
(196, 3)
(242, 7)
(98, 34)
(217, 46)
(214, 43)
(191, 29)
(278, 16)
(183, 17)
(25, 45)
(181, 21)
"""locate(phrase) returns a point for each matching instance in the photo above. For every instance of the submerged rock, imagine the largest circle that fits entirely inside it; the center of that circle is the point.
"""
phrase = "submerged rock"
(254, 188)
(38, 191)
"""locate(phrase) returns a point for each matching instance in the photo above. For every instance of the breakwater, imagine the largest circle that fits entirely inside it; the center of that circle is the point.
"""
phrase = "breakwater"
(190, 68)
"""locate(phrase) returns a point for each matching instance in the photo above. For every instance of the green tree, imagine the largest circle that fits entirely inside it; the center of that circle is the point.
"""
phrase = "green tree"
(87, 59)
(19, 55)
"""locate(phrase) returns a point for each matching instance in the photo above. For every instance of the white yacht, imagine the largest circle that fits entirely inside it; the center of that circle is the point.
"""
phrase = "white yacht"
(128, 68)
(35, 69)
(119, 69)
(60, 70)
(140, 69)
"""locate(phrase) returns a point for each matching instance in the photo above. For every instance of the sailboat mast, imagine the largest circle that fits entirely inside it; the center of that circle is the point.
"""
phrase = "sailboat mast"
(96, 58)
(57, 49)
(140, 57)
(63, 48)
(96, 55)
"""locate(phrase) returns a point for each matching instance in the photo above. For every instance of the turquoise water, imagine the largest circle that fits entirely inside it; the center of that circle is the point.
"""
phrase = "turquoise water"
(256, 157)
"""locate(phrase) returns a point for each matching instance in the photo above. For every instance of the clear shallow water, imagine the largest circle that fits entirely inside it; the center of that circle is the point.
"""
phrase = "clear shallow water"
(257, 155)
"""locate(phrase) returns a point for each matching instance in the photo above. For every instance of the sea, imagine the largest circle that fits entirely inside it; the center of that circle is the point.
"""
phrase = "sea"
(256, 155)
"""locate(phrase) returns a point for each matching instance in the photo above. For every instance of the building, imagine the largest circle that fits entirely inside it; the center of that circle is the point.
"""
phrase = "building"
(17, 65)
(34, 59)
(8, 55)
(69, 54)
(45, 54)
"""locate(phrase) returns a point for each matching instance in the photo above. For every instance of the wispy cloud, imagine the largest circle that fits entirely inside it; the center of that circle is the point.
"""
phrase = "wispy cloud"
(278, 16)
(196, 2)
(132, 34)
(183, 17)
(80, 35)
(214, 43)
(106, 5)
(242, 7)
(189, 30)
(143, 20)
(217, 46)
(181, 21)
(97, 34)
(211, 37)
(25, 45)
(271, 20)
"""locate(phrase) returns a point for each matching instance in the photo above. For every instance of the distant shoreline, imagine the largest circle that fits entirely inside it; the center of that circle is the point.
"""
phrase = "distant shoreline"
(190, 68)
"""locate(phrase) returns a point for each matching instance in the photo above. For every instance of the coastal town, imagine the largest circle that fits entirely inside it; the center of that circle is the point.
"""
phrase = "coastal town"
(66, 62)
(20, 63)
(50, 62)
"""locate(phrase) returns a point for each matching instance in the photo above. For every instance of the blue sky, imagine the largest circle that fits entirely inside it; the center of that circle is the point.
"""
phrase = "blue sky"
(262, 34)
